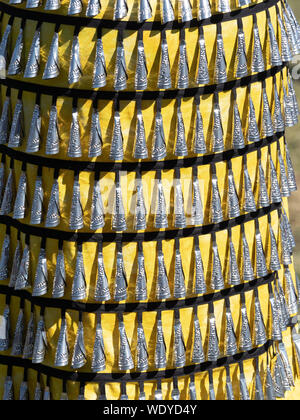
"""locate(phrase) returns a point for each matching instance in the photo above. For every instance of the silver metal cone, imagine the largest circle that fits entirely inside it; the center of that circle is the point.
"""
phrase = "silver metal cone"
(102, 292)
(15, 265)
(179, 217)
(8, 195)
(192, 391)
(244, 2)
(230, 337)
(76, 212)
(274, 49)
(97, 211)
(217, 134)
(248, 273)
(5, 329)
(79, 283)
(29, 338)
(223, 6)
(233, 201)
(203, 73)
(204, 9)
(197, 206)
(100, 73)
(79, 357)
(141, 72)
(216, 207)
(258, 64)
(244, 393)
(125, 356)
(286, 54)
(292, 36)
(249, 201)
(37, 202)
(145, 10)
(288, 109)
(166, 11)
(140, 222)
(59, 281)
(179, 346)
(98, 358)
(160, 347)
(261, 267)
(116, 148)
(229, 389)
(52, 68)
(275, 189)
(179, 278)
(52, 139)
(213, 351)
(260, 335)
(220, 75)
(267, 117)
(217, 281)
(16, 63)
(286, 364)
(121, 9)
(183, 67)
(140, 150)
(22, 279)
(74, 147)
(141, 280)
(41, 275)
(21, 198)
(161, 219)
(290, 171)
(8, 389)
(253, 131)
(276, 329)
(242, 66)
(288, 229)
(75, 71)
(40, 342)
(296, 344)
(75, 6)
(274, 258)
(93, 8)
(234, 273)
(62, 348)
(3, 49)
(269, 386)
(291, 293)
(282, 307)
(198, 353)
(23, 393)
(180, 147)
(119, 217)
(164, 78)
(141, 349)
(238, 141)
(199, 140)
(4, 258)
(278, 121)
(5, 121)
(120, 279)
(52, 5)
(259, 392)
(280, 380)
(200, 284)
(17, 126)
(159, 147)
(162, 285)
(33, 60)
(120, 82)
(263, 192)
(245, 342)
(34, 136)
(186, 10)
(53, 212)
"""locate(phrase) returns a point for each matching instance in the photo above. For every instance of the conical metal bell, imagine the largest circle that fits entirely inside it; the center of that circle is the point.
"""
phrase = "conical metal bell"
(79, 283)
(276, 329)
(140, 151)
(274, 258)
(180, 147)
(213, 351)
(179, 278)
(22, 279)
(52, 67)
(62, 348)
(3, 49)
(100, 73)
(166, 11)
(97, 210)
(119, 217)
(263, 192)
(179, 219)
(186, 10)
(33, 60)
(74, 147)
(261, 267)
(244, 393)
(164, 78)
(199, 140)
(142, 352)
(229, 389)
(121, 9)
(76, 212)
(197, 206)
(120, 82)
(15, 265)
(198, 353)
(75, 7)
(140, 222)
(5, 329)
(141, 280)
(23, 393)
(204, 11)
(160, 347)
(161, 219)
(200, 284)
(275, 189)
(217, 133)
(278, 121)
(16, 62)
(220, 75)
(98, 358)
(248, 273)
(203, 73)
(75, 71)
(125, 356)
(116, 149)
(234, 273)
(260, 335)
(242, 65)
(21, 199)
(162, 285)
(102, 292)
(286, 54)
(95, 140)
(40, 342)
(253, 131)
(34, 136)
(52, 139)
(120, 279)
(41, 275)
(183, 67)
(223, 6)
(52, 5)
(284, 184)
(216, 207)
(17, 126)
(79, 357)
(141, 71)
(217, 281)
(29, 338)
(286, 364)
(259, 393)
(291, 293)
(93, 8)
(274, 49)
(8, 391)
(233, 201)
(159, 147)
(245, 343)
(145, 10)
(238, 141)
(267, 117)
(249, 201)
(8, 195)
(269, 386)
(230, 347)
(4, 258)
(290, 171)
(53, 212)
(179, 346)
(258, 64)
(5, 121)
(59, 281)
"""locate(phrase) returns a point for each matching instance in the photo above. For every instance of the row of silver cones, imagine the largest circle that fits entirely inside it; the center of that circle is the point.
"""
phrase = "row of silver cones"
(144, 11)
(271, 380)
(30, 68)
(23, 272)
(270, 186)
(30, 341)
(275, 114)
